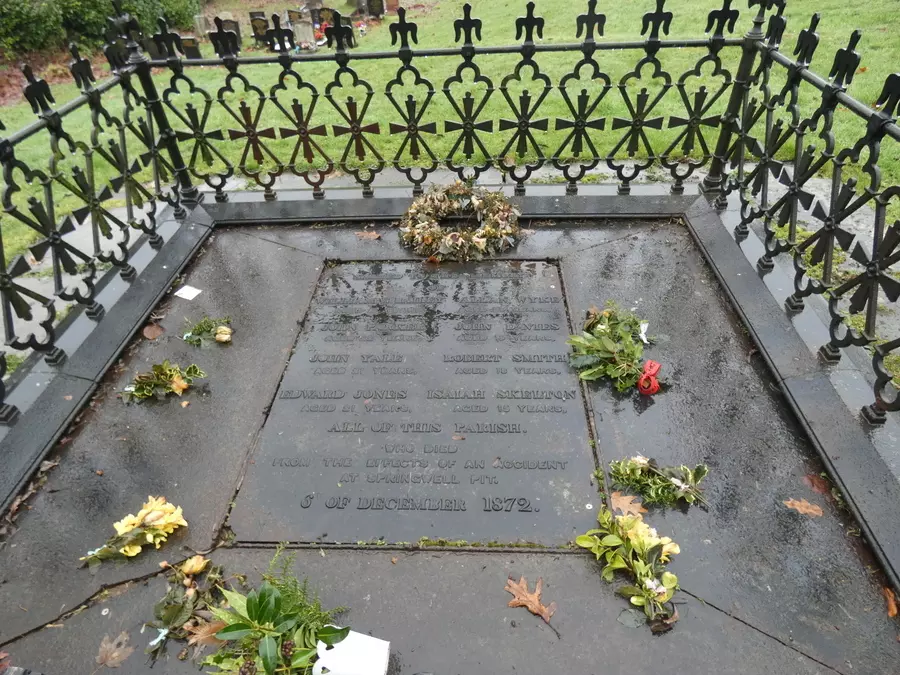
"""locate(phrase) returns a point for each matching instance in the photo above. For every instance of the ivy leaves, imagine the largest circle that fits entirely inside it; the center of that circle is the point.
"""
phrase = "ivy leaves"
(163, 378)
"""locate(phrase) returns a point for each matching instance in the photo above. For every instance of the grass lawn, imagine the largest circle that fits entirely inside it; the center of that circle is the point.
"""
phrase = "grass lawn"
(435, 20)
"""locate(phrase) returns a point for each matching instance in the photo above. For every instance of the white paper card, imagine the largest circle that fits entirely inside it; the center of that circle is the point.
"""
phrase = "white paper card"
(356, 654)
(188, 292)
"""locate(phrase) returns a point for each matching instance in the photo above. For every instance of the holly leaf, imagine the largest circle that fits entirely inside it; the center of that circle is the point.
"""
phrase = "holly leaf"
(205, 634)
(530, 601)
(368, 234)
(178, 385)
(889, 598)
(112, 653)
(626, 504)
(804, 507)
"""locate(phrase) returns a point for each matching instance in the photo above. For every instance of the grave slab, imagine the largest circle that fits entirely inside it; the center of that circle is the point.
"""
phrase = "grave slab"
(426, 402)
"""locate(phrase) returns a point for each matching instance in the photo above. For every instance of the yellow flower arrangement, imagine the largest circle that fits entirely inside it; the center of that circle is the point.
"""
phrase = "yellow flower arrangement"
(629, 544)
(153, 524)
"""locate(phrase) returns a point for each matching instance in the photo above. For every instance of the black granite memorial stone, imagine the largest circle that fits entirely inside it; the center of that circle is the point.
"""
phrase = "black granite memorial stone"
(426, 402)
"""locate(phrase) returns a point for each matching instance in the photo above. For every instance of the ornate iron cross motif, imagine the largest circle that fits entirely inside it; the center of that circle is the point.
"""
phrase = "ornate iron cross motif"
(523, 124)
(468, 126)
(876, 273)
(15, 299)
(823, 240)
(590, 22)
(64, 258)
(154, 145)
(93, 202)
(225, 42)
(581, 124)
(694, 122)
(529, 25)
(357, 131)
(413, 128)
(302, 130)
(637, 123)
(80, 69)
(199, 135)
(250, 131)
(279, 39)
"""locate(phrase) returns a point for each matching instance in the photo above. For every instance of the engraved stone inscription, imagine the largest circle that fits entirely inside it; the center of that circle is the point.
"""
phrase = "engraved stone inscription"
(430, 403)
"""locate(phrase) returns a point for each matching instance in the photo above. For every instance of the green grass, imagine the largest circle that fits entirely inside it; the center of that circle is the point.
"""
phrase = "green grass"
(880, 51)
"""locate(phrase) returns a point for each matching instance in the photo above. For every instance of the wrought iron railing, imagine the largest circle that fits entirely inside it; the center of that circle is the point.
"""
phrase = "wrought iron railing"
(155, 139)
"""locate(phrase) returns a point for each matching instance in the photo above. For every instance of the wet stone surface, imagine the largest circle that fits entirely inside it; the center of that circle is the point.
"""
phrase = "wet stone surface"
(423, 401)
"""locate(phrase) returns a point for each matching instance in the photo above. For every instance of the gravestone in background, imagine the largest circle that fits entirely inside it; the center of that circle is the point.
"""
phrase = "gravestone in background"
(191, 47)
(426, 404)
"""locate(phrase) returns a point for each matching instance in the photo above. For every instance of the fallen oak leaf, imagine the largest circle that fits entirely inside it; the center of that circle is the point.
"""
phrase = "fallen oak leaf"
(817, 484)
(459, 438)
(626, 504)
(368, 234)
(803, 507)
(530, 601)
(112, 653)
(891, 600)
(205, 634)
(152, 331)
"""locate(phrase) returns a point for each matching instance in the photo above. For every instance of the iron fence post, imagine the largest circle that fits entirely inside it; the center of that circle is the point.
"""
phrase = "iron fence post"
(190, 195)
(715, 179)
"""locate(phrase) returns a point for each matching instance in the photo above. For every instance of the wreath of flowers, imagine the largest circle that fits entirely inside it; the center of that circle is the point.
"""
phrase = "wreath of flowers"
(495, 224)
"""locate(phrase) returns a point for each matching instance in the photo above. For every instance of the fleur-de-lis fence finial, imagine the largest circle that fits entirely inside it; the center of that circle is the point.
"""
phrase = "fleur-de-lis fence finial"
(81, 69)
(654, 22)
(719, 21)
(846, 61)
(807, 42)
(590, 22)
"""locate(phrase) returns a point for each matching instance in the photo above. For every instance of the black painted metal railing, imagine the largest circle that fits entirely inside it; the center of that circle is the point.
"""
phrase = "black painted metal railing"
(126, 148)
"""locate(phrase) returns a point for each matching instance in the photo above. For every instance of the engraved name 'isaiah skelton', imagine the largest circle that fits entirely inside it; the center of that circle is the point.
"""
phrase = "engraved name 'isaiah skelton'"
(423, 403)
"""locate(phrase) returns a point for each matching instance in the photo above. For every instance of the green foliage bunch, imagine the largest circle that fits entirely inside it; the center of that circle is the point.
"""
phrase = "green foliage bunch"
(661, 485)
(27, 25)
(206, 331)
(609, 346)
(273, 629)
(163, 378)
(627, 544)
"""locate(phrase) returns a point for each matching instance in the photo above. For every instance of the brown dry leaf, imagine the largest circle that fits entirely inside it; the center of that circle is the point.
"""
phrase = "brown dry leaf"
(205, 634)
(68, 397)
(178, 385)
(816, 483)
(112, 653)
(99, 472)
(459, 438)
(530, 601)
(152, 331)
(393, 561)
(185, 404)
(626, 504)
(891, 600)
(368, 234)
(803, 507)
(4, 664)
